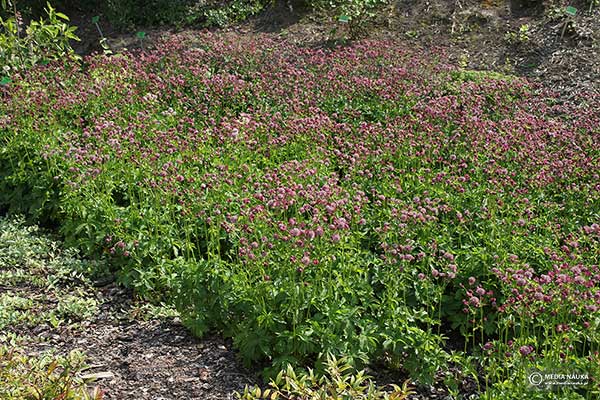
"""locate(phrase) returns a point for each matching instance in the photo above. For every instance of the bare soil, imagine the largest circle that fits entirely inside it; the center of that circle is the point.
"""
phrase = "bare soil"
(137, 358)
(559, 52)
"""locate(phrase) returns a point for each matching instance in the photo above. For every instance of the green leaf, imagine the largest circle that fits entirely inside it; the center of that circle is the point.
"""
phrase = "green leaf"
(141, 34)
(63, 16)
(344, 19)
(570, 10)
(95, 19)
(5, 80)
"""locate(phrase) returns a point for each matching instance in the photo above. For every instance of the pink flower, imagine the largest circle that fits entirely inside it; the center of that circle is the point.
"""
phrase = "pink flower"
(586, 324)
(525, 350)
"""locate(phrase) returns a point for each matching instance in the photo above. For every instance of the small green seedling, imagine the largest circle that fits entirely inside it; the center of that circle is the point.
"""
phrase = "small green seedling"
(344, 19)
(5, 81)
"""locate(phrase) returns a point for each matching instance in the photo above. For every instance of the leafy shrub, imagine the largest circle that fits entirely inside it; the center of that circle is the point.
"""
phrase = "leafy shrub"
(128, 13)
(44, 40)
(34, 9)
(231, 12)
(214, 13)
(358, 13)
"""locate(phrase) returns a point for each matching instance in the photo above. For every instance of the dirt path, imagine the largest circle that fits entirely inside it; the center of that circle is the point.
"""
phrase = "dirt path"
(154, 359)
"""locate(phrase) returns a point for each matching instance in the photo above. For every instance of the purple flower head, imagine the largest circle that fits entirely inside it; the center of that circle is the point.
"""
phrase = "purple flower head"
(525, 350)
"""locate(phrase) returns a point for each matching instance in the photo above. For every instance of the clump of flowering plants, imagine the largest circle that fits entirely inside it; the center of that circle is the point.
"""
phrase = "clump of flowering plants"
(364, 201)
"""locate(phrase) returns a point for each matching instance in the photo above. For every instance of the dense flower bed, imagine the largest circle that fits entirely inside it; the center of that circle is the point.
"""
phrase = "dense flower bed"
(365, 201)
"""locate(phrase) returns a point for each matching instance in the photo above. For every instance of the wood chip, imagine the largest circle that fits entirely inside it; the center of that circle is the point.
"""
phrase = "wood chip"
(98, 375)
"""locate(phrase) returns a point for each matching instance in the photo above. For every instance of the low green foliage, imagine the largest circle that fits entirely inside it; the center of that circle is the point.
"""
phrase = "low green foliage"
(41, 285)
(27, 255)
(518, 37)
(339, 381)
(149, 311)
(55, 287)
(44, 377)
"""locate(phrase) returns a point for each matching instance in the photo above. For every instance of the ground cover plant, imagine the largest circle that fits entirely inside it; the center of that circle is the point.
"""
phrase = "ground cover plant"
(41, 286)
(367, 202)
(44, 377)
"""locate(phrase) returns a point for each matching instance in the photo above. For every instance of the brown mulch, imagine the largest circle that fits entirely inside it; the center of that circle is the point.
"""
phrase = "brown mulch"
(155, 359)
